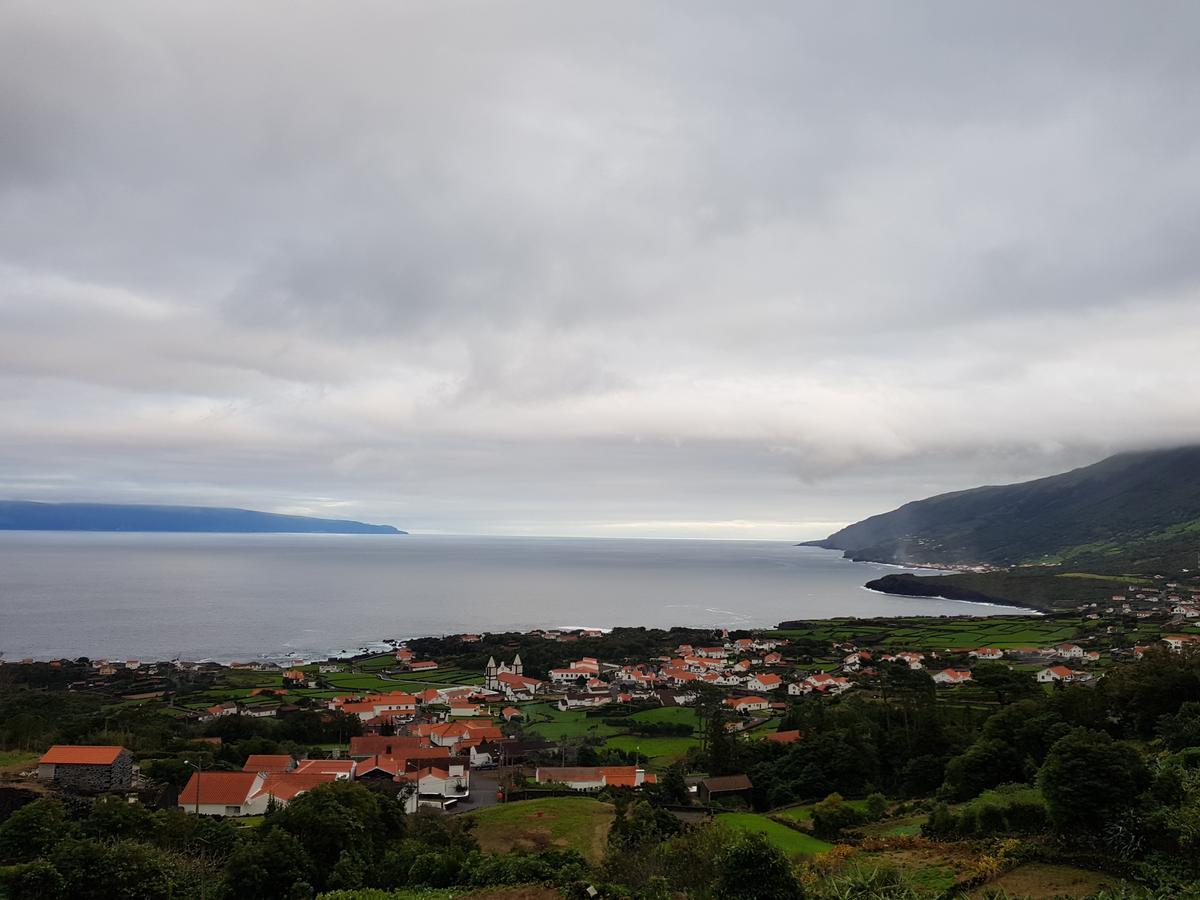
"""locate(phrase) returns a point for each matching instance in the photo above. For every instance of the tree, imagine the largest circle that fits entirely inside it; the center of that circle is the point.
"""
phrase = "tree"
(1182, 729)
(986, 764)
(751, 868)
(1002, 681)
(34, 830)
(338, 817)
(267, 868)
(1088, 779)
(672, 788)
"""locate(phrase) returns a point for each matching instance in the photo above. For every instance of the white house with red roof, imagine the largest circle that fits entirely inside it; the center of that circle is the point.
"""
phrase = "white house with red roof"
(593, 778)
(821, 682)
(1179, 641)
(1068, 651)
(580, 668)
(952, 676)
(764, 681)
(747, 704)
(1060, 674)
(987, 653)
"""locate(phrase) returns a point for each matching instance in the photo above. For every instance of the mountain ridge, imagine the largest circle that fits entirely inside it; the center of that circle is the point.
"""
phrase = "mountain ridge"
(1138, 509)
(28, 515)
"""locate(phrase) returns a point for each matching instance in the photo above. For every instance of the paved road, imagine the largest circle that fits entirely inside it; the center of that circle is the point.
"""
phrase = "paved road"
(483, 791)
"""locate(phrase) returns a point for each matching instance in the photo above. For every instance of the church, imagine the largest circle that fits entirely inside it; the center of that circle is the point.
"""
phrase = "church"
(493, 672)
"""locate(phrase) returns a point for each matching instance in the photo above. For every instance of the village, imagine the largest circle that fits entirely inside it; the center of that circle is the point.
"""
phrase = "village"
(425, 725)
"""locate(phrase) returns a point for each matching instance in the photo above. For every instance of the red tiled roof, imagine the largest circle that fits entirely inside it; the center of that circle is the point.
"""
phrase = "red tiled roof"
(80, 755)
(335, 766)
(784, 737)
(286, 785)
(267, 762)
(375, 745)
(218, 788)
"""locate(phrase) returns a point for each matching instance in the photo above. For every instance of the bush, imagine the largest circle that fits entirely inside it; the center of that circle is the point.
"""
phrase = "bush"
(833, 814)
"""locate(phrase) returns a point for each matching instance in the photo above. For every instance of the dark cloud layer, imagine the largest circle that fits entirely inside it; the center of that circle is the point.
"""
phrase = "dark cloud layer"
(625, 268)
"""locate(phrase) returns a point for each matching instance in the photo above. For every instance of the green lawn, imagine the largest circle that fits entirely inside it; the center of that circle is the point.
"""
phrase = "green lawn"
(575, 823)
(789, 840)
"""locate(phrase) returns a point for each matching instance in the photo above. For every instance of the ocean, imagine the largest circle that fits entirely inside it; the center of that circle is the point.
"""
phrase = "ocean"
(244, 597)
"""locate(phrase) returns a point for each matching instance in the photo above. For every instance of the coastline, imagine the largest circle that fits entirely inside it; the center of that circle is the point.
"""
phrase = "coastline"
(910, 586)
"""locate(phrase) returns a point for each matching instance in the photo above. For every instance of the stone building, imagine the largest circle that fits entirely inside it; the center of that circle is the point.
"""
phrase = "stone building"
(87, 768)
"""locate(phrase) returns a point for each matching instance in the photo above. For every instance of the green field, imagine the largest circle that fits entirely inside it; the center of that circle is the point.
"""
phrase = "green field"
(940, 633)
(789, 840)
(553, 724)
(575, 823)
(15, 759)
(661, 751)
(676, 715)
(804, 813)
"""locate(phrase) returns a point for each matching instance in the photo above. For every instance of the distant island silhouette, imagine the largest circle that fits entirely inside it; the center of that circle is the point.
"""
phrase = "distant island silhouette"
(21, 515)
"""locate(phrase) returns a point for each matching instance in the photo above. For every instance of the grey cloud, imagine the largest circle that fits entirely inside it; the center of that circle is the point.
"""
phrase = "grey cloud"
(553, 267)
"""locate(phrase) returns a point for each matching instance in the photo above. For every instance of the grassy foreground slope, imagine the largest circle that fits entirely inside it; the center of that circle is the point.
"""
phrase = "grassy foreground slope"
(568, 823)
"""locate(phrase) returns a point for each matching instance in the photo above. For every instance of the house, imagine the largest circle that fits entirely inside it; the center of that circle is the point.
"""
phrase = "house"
(952, 676)
(376, 745)
(711, 790)
(593, 778)
(87, 767)
(375, 704)
(459, 708)
(444, 779)
(1068, 651)
(245, 793)
(822, 682)
(511, 712)
(747, 704)
(328, 668)
(784, 737)
(773, 659)
(1179, 641)
(1055, 673)
(340, 769)
(987, 653)
(580, 668)
(268, 763)
(221, 793)
(228, 708)
(764, 682)
(294, 677)
(421, 665)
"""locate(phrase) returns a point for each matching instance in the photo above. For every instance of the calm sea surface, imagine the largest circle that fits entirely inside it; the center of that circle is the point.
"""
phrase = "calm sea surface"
(158, 596)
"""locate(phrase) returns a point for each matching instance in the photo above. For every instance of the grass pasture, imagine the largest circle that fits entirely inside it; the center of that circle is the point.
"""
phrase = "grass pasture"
(572, 823)
(789, 840)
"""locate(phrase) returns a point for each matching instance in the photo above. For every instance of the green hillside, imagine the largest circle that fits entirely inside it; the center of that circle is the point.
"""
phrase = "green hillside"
(1128, 513)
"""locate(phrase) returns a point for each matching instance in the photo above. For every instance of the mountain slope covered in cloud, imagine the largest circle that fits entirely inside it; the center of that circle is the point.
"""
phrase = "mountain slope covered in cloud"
(1130, 511)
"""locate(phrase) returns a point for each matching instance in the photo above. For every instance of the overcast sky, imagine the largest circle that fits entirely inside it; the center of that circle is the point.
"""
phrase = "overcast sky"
(621, 268)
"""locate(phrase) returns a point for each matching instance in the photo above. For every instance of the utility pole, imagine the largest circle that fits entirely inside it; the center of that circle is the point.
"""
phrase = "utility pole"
(199, 767)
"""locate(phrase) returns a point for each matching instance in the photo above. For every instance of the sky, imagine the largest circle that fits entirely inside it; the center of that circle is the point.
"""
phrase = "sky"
(627, 269)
